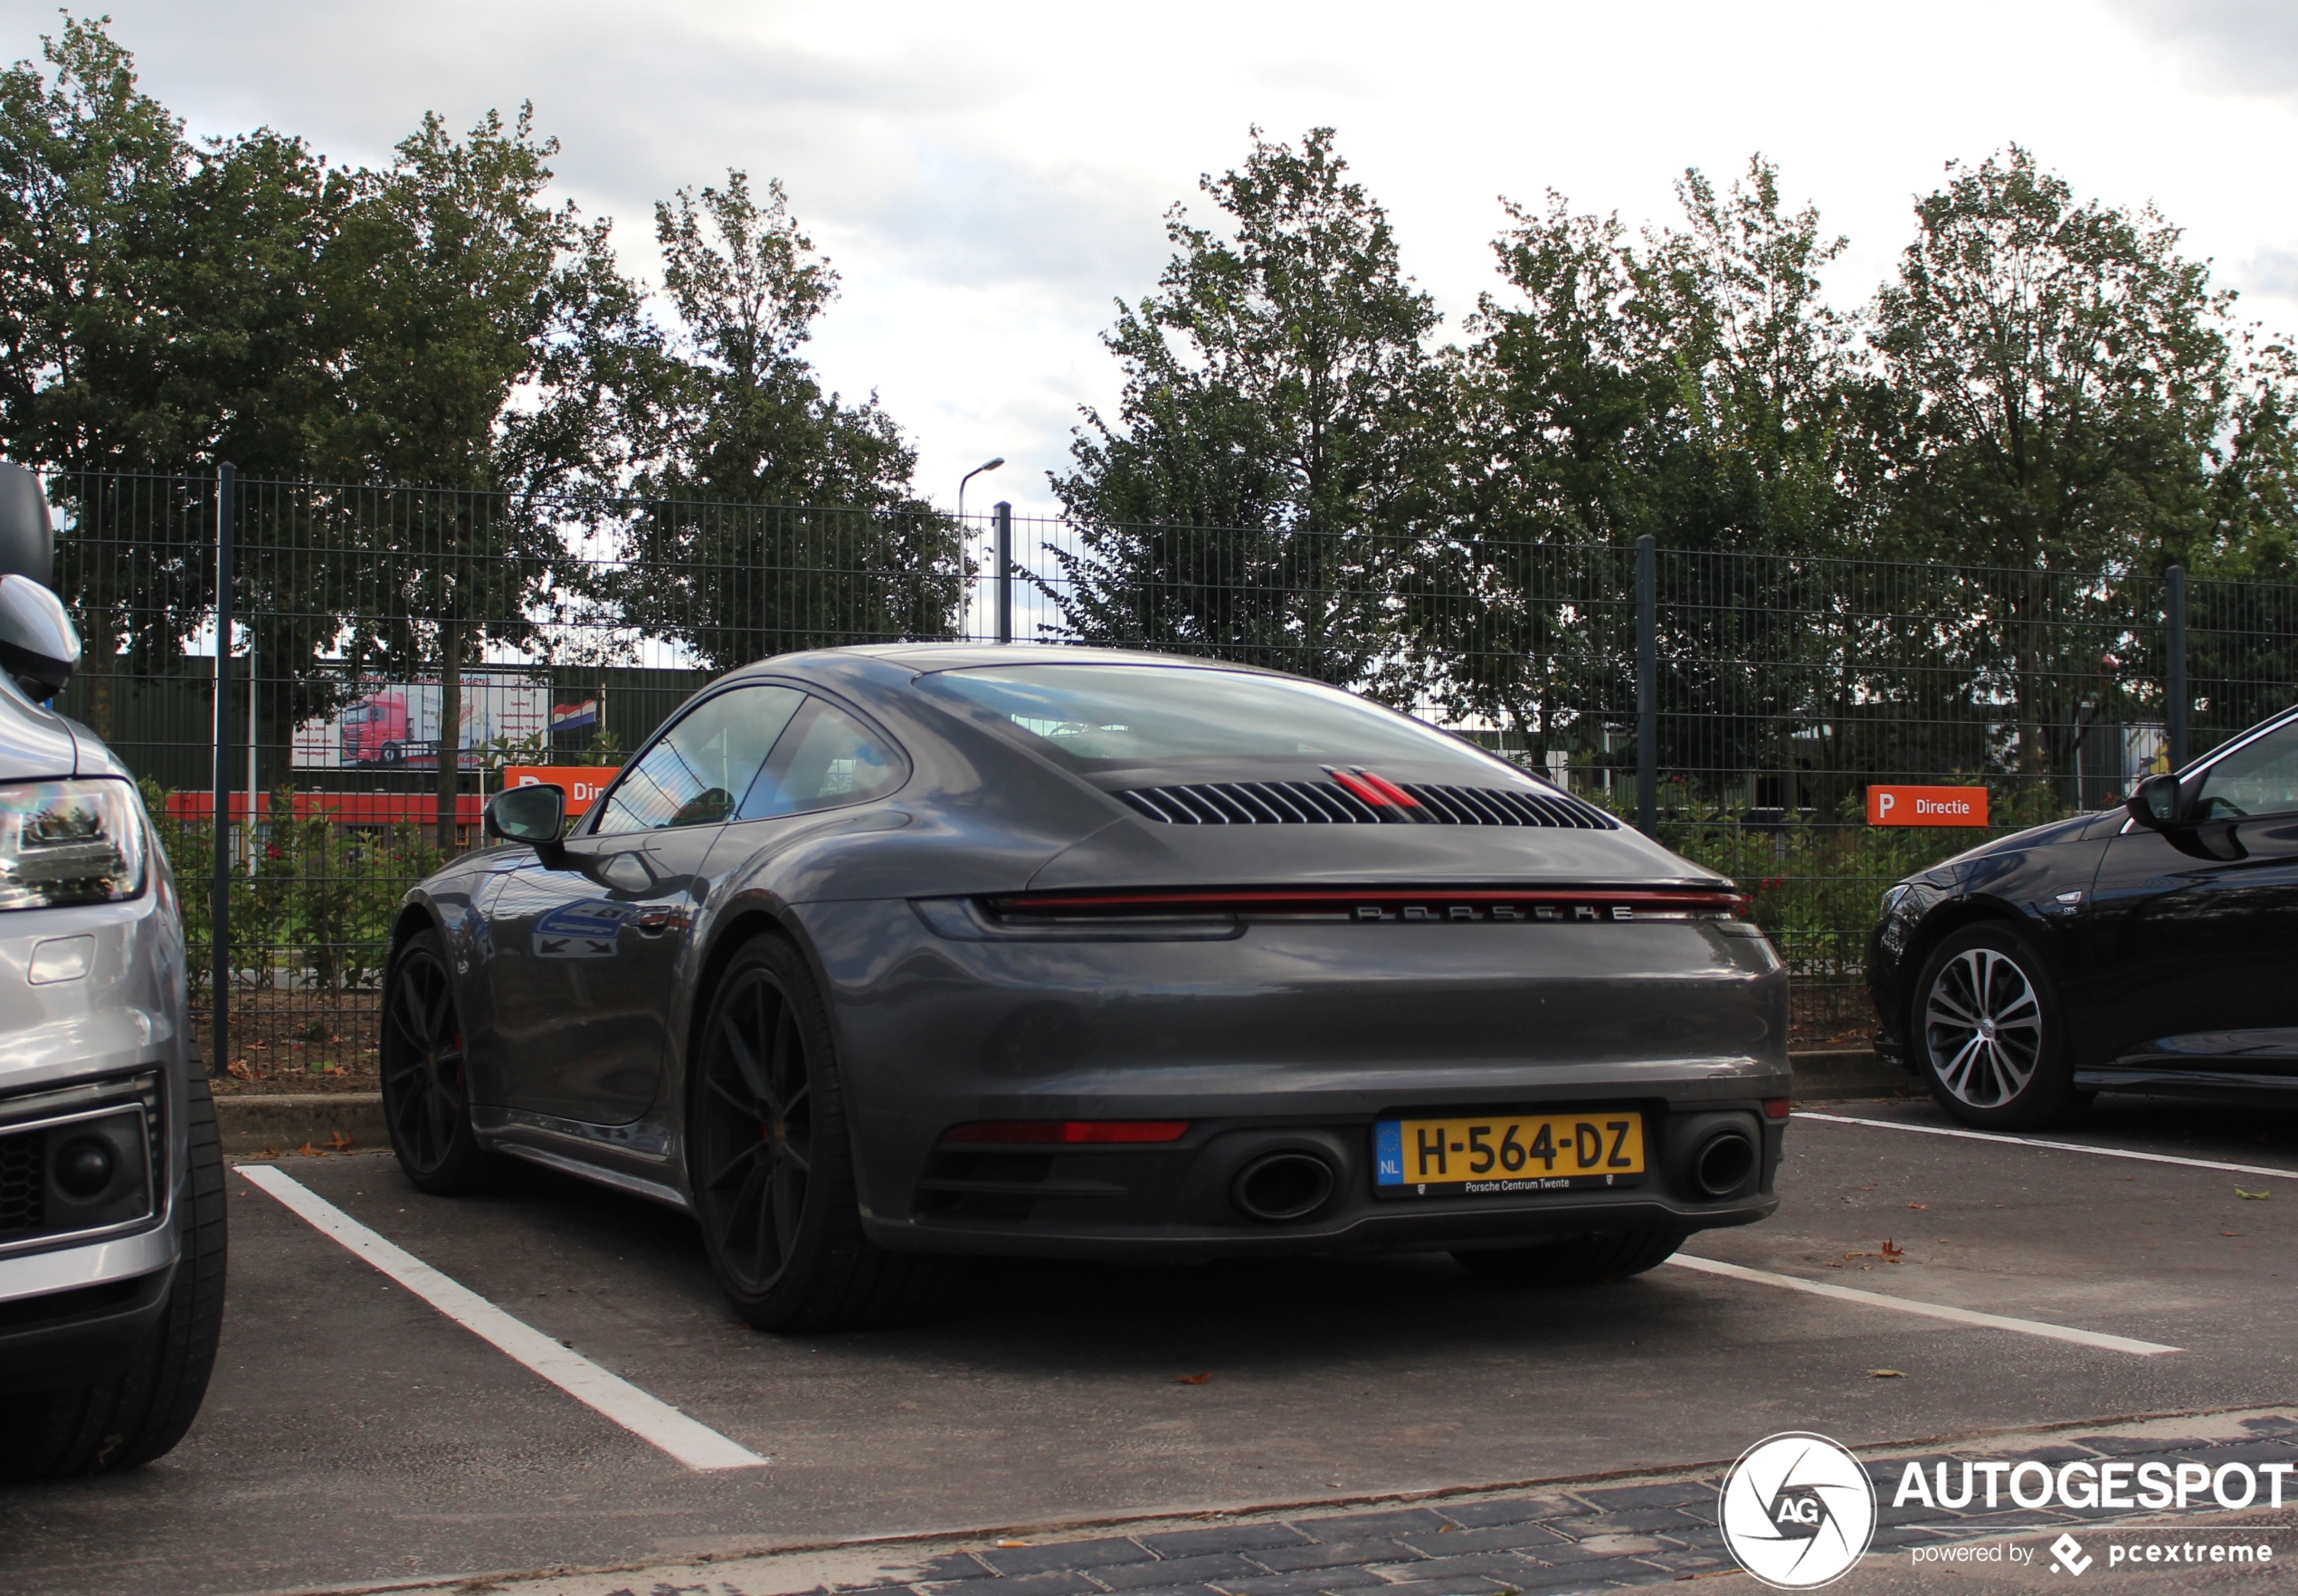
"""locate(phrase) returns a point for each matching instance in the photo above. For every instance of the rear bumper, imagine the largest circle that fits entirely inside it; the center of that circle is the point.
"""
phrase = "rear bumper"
(1286, 1036)
(1179, 1200)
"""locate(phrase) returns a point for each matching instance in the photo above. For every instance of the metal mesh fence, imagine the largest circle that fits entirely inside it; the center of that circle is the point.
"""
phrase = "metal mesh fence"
(393, 649)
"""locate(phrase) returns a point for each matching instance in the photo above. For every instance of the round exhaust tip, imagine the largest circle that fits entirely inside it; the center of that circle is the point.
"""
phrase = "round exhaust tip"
(1280, 1186)
(1724, 1164)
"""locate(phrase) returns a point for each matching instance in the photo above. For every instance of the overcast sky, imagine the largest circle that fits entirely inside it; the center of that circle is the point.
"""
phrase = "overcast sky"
(988, 177)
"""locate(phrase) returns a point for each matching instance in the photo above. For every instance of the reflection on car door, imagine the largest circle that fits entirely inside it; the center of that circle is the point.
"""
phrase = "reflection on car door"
(2194, 932)
(585, 954)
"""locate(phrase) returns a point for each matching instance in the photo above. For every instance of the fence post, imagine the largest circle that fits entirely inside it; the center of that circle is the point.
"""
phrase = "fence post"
(220, 905)
(2177, 700)
(1647, 687)
(1004, 513)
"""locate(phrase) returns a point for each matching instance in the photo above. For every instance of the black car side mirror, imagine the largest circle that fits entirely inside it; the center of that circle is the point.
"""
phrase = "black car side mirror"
(2157, 802)
(533, 815)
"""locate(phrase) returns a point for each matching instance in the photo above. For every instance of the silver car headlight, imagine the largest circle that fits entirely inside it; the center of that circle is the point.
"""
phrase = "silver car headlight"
(67, 843)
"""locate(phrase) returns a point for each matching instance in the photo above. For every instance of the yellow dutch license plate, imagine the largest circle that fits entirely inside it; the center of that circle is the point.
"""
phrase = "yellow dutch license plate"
(1476, 1154)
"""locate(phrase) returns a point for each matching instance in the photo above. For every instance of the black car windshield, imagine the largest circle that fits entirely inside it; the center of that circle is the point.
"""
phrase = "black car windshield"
(1105, 717)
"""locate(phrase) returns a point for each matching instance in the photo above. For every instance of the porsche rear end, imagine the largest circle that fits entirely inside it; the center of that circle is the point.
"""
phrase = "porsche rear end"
(1427, 1004)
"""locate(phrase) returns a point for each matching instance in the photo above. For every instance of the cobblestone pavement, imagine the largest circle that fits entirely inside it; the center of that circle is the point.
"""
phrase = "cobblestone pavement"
(1557, 1540)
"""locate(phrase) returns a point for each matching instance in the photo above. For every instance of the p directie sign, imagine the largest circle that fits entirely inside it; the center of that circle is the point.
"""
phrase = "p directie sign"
(582, 784)
(1926, 806)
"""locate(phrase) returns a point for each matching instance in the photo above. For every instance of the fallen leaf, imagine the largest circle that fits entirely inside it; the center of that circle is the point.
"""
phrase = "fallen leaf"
(1888, 1374)
(1192, 1379)
(2230, 1234)
(238, 1070)
(2253, 1196)
(1890, 1254)
(1919, 1205)
(340, 1142)
(309, 1150)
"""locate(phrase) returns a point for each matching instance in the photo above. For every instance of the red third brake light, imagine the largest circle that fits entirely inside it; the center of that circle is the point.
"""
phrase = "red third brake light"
(1377, 791)
(1389, 788)
(1068, 1132)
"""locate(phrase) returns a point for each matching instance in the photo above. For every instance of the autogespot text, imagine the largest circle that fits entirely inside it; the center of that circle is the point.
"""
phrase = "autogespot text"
(2152, 1486)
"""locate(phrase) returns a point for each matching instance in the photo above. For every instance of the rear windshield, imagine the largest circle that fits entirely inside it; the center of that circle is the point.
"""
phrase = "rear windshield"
(1106, 716)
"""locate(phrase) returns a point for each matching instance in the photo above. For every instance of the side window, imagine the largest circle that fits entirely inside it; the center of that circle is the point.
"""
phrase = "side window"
(694, 773)
(827, 759)
(2261, 779)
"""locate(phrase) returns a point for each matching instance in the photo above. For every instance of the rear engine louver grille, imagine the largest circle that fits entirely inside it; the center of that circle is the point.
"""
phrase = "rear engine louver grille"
(1294, 803)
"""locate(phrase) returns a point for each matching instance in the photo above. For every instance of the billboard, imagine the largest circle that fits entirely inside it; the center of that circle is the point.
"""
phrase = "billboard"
(395, 724)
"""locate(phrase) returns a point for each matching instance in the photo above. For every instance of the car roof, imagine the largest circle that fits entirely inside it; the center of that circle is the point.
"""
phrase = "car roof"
(921, 657)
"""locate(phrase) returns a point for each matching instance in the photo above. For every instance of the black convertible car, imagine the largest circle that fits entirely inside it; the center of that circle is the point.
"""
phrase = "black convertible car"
(2145, 949)
(877, 956)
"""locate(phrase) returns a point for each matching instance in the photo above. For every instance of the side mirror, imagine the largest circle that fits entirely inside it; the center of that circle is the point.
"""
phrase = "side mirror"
(27, 537)
(2157, 803)
(39, 645)
(533, 815)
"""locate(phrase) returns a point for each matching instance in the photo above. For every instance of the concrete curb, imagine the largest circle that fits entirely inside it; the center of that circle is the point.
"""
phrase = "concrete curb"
(341, 1122)
(1838, 1075)
(283, 1123)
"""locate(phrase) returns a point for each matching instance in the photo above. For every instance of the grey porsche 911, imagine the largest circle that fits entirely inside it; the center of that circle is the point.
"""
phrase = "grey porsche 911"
(875, 956)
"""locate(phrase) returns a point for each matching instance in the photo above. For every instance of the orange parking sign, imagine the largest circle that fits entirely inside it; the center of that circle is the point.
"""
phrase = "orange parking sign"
(582, 784)
(1926, 806)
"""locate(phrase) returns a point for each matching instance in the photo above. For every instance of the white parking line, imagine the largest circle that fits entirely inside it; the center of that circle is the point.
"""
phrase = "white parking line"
(1928, 1310)
(1940, 1130)
(652, 1421)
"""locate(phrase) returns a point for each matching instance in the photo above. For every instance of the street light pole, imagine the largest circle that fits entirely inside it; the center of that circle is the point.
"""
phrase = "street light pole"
(987, 465)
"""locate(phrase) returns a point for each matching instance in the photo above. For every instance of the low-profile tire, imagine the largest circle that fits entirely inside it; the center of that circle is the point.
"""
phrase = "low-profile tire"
(137, 1411)
(426, 1090)
(1573, 1260)
(770, 1160)
(1988, 1034)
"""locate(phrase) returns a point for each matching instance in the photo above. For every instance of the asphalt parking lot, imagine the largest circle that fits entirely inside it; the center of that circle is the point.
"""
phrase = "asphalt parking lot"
(356, 1437)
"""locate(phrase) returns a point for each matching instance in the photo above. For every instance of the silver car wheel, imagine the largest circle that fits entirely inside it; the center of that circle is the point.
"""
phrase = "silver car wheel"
(1983, 1028)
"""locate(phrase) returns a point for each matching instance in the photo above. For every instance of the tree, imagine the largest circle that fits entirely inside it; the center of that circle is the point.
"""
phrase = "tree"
(732, 428)
(155, 316)
(2059, 380)
(456, 291)
(1276, 391)
(1691, 387)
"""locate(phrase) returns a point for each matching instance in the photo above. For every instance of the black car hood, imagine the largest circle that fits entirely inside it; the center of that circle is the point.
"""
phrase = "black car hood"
(2048, 834)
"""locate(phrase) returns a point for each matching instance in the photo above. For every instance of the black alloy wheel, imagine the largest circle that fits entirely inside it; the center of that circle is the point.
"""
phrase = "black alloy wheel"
(1988, 1033)
(769, 1165)
(426, 1087)
(754, 1132)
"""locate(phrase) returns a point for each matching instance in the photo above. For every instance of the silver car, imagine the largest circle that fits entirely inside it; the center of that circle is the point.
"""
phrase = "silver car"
(111, 1178)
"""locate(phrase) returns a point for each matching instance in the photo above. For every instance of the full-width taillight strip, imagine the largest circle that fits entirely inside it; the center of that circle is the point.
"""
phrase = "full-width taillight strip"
(1270, 899)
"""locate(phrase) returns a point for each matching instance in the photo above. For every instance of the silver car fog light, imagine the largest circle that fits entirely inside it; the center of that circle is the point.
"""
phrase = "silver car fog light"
(69, 842)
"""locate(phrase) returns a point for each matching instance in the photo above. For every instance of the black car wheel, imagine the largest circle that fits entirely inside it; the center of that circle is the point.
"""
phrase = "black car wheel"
(1988, 1032)
(135, 1412)
(1573, 1260)
(426, 1090)
(770, 1165)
